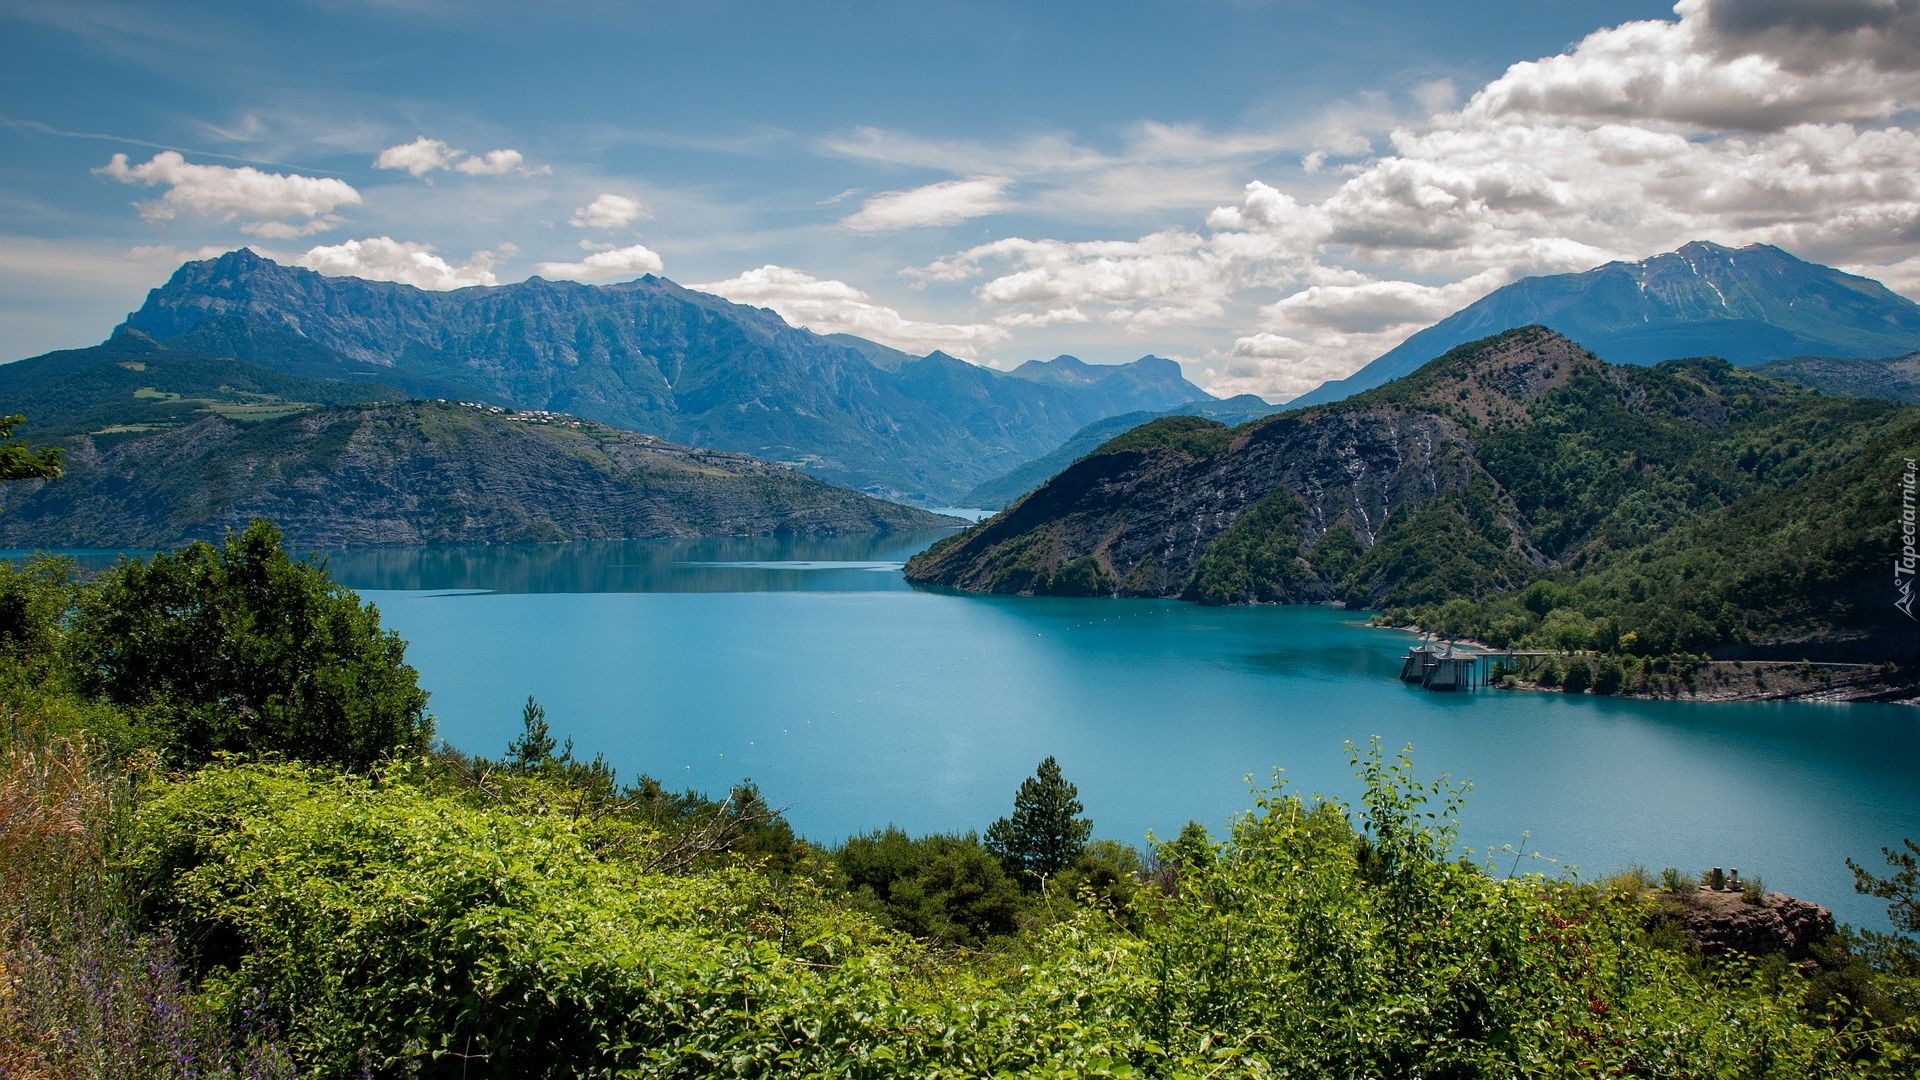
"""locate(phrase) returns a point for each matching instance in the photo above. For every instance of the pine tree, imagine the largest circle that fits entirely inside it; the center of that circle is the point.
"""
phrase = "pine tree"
(533, 751)
(1045, 834)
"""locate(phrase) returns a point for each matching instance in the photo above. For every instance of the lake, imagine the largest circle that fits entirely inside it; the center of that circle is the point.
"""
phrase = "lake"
(857, 701)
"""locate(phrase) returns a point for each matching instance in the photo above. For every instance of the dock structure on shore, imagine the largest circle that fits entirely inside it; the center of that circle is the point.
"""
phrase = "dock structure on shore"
(1445, 666)
(1440, 667)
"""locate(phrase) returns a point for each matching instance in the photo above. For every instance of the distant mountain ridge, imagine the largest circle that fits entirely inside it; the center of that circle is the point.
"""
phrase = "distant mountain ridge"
(649, 355)
(1003, 490)
(1747, 306)
(1895, 378)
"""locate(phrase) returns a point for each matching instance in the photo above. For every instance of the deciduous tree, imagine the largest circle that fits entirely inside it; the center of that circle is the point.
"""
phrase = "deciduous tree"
(242, 648)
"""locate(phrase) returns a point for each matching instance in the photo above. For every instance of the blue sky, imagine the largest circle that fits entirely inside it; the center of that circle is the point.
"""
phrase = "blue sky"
(1271, 192)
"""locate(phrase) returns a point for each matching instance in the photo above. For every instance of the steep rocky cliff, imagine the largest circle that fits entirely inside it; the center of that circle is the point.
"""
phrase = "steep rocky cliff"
(423, 472)
(1281, 509)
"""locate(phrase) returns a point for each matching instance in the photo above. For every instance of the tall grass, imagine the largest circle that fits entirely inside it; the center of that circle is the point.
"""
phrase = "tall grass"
(82, 994)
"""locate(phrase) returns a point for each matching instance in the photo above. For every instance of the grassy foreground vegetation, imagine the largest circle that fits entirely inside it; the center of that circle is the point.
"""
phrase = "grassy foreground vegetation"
(230, 846)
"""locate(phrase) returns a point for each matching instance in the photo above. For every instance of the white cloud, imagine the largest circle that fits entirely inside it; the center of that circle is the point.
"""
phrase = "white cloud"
(424, 155)
(419, 157)
(945, 203)
(1328, 329)
(608, 211)
(1765, 76)
(617, 263)
(494, 163)
(1773, 121)
(226, 193)
(1374, 306)
(835, 307)
(382, 258)
(1158, 167)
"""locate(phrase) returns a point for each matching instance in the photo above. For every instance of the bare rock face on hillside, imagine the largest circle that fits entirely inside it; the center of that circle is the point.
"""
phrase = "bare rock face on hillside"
(1138, 515)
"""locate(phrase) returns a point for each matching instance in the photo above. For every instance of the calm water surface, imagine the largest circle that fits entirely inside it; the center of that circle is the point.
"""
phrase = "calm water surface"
(859, 701)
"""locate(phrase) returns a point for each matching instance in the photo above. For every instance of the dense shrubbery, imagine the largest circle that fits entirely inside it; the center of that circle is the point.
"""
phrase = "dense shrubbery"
(435, 914)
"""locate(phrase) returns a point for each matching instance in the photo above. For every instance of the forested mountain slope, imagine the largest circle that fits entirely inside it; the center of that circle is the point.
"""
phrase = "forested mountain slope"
(1518, 458)
(415, 473)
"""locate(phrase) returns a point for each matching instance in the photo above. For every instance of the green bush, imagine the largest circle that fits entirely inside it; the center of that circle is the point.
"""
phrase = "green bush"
(1255, 559)
(373, 921)
(949, 890)
(243, 649)
(1610, 677)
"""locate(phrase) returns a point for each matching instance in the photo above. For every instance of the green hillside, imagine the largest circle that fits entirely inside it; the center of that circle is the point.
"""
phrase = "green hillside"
(1694, 504)
(416, 473)
(132, 384)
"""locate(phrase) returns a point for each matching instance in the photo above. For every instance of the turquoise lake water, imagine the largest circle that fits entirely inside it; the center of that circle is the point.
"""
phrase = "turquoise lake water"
(856, 701)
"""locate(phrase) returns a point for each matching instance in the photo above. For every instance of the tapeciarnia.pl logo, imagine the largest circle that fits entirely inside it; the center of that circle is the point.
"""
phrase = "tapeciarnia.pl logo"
(1903, 567)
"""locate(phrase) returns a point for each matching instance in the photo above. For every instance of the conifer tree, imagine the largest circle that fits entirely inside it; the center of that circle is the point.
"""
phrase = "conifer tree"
(1045, 834)
(533, 750)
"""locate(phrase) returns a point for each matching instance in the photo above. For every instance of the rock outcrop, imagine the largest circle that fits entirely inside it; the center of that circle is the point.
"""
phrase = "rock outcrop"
(1723, 921)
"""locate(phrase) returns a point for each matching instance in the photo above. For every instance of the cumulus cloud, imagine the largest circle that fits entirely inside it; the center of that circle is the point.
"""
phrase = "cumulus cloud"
(424, 155)
(1771, 70)
(382, 258)
(1806, 35)
(419, 157)
(945, 203)
(608, 211)
(607, 265)
(493, 163)
(220, 191)
(835, 307)
(1374, 306)
(1741, 121)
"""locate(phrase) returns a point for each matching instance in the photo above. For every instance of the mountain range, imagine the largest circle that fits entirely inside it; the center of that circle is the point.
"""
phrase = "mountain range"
(1747, 306)
(650, 356)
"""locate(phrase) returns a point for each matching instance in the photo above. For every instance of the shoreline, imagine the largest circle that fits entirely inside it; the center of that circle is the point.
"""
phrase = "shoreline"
(1732, 680)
